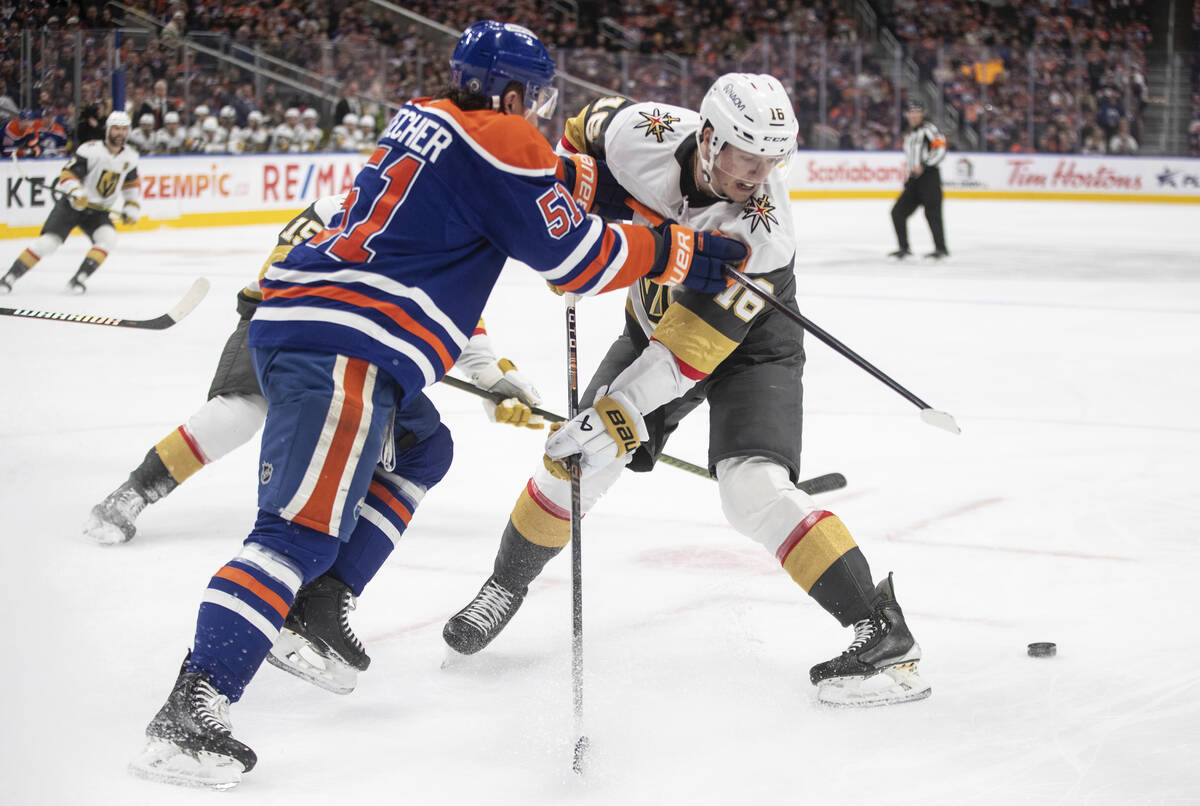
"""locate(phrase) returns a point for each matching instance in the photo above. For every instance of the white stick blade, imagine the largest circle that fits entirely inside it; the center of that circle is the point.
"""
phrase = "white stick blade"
(190, 300)
(940, 419)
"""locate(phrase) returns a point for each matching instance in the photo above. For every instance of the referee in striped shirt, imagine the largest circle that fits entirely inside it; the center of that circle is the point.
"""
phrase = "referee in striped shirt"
(924, 148)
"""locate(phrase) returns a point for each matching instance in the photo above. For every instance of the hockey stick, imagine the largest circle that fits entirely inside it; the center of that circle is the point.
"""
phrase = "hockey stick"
(814, 486)
(930, 415)
(55, 192)
(181, 309)
(582, 743)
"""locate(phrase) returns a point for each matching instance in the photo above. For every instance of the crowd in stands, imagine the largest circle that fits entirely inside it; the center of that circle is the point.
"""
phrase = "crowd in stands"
(1041, 75)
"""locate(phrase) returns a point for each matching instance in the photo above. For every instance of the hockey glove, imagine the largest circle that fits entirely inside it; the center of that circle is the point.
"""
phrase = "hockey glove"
(519, 394)
(79, 198)
(131, 212)
(693, 259)
(608, 430)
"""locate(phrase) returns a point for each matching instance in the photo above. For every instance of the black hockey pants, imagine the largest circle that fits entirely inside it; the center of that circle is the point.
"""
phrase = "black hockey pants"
(922, 191)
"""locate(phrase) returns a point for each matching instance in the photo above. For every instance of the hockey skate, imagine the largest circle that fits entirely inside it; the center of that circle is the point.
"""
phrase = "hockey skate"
(880, 665)
(937, 254)
(900, 254)
(316, 643)
(111, 521)
(477, 624)
(190, 742)
(76, 285)
(5, 285)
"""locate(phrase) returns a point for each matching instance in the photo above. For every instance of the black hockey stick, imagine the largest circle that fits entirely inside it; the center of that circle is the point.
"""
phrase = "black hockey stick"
(930, 415)
(55, 192)
(181, 309)
(938, 419)
(826, 483)
(582, 743)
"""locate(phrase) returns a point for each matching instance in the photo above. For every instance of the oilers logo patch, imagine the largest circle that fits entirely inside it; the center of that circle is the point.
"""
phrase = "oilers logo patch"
(759, 210)
(656, 123)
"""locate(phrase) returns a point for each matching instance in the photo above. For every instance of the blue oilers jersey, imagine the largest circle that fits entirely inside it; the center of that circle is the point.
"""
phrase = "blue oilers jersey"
(401, 275)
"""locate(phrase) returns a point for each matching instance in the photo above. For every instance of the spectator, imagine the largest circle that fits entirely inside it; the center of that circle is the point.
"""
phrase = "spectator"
(142, 138)
(349, 103)
(158, 105)
(1122, 142)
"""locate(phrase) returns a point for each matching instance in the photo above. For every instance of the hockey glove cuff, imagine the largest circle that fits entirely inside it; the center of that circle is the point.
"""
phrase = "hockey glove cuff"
(79, 198)
(693, 259)
(611, 428)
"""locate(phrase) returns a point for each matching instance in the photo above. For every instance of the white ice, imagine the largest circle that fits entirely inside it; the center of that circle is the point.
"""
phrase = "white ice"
(1065, 339)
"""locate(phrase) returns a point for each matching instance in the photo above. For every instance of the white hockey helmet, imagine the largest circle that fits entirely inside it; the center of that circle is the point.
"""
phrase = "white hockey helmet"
(350, 119)
(201, 112)
(753, 114)
(309, 114)
(227, 111)
(210, 124)
(292, 112)
(146, 119)
(367, 122)
(254, 117)
(170, 117)
(116, 118)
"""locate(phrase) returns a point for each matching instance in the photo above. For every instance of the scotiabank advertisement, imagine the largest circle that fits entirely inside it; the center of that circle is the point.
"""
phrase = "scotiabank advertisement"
(841, 174)
(192, 190)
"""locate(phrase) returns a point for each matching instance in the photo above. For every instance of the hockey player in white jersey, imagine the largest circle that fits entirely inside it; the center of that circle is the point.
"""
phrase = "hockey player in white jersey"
(102, 178)
(286, 136)
(254, 138)
(195, 132)
(724, 169)
(309, 135)
(344, 136)
(142, 138)
(171, 138)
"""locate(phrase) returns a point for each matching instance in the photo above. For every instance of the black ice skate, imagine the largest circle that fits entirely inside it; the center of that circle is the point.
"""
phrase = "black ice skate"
(937, 254)
(111, 521)
(76, 285)
(189, 742)
(880, 665)
(316, 643)
(474, 627)
(900, 254)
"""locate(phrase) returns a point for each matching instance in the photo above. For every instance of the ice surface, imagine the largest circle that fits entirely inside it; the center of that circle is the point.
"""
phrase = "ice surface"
(1065, 340)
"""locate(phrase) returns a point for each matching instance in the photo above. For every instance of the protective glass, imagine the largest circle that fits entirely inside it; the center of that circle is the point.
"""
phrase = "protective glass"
(744, 168)
(541, 100)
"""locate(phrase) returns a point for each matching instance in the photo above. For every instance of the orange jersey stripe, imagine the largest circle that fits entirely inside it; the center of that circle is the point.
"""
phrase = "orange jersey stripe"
(639, 258)
(393, 312)
(596, 266)
(240, 577)
(319, 507)
(509, 138)
(393, 503)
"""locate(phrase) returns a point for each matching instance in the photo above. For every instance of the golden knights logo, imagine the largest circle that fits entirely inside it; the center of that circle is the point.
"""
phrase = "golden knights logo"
(759, 210)
(656, 123)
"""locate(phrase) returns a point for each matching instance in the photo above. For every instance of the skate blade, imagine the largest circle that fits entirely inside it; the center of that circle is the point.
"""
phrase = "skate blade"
(104, 532)
(294, 655)
(890, 686)
(166, 763)
(454, 659)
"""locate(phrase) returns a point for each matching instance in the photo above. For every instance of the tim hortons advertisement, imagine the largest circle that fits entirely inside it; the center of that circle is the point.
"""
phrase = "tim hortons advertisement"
(824, 174)
(191, 190)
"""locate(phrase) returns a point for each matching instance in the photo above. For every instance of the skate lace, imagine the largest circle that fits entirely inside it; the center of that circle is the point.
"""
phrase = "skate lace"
(488, 608)
(864, 631)
(211, 708)
(129, 502)
(348, 604)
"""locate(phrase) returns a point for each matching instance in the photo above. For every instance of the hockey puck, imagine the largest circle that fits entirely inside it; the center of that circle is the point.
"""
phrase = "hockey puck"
(1043, 649)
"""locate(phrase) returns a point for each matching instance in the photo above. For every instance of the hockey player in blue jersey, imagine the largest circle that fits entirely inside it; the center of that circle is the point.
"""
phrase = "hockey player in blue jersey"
(360, 318)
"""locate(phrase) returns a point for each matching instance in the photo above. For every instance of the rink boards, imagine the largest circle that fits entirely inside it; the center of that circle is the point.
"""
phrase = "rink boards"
(224, 190)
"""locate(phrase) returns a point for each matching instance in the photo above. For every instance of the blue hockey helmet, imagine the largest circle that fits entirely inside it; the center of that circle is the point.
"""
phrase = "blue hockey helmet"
(490, 54)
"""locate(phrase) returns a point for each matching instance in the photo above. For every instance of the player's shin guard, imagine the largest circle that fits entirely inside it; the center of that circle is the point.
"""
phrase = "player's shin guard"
(248, 599)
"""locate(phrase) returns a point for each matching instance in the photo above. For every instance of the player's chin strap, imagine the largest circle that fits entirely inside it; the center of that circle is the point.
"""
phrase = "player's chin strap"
(929, 415)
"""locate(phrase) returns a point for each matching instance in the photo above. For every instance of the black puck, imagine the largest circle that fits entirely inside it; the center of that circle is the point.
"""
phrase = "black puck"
(1043, 649)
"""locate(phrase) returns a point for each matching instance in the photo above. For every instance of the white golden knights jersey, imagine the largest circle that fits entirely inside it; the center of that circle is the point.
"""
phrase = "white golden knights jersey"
(646, 146)
(105, 176)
